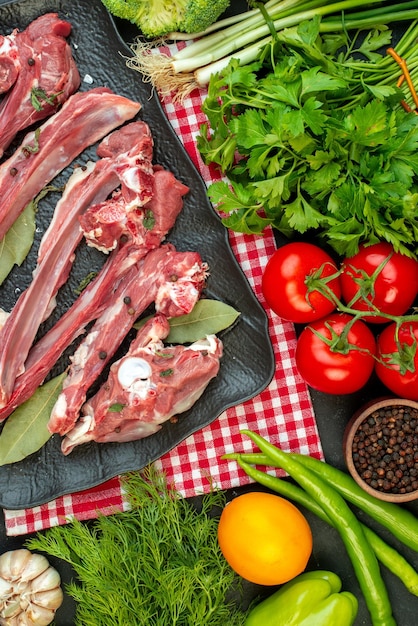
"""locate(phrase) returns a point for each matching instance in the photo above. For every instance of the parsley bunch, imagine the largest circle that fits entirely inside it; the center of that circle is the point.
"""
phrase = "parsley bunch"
(312, 136)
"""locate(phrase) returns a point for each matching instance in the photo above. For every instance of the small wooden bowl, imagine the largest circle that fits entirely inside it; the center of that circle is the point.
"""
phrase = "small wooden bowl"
(379, 444)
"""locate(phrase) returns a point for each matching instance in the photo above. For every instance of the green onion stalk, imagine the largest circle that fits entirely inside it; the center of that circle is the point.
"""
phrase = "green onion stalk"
(245, 36)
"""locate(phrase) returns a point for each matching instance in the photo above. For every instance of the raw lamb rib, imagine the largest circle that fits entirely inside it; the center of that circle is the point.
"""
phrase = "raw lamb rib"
(172, 280)
(146, 387)
(85, 186)
(164, 206)
(38, 72)
(84, 119)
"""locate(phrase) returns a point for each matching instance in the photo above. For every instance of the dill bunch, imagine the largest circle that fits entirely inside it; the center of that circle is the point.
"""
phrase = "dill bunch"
(157, 564)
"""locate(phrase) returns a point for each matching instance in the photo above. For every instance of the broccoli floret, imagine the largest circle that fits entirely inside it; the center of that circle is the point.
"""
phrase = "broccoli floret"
(156, 18)
(199, 14)
(126, 9)
(161, 16)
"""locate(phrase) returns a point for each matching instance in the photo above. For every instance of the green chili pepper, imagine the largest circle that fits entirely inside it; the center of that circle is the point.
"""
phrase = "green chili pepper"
(387, 555)
(312, 598)
(362, 557)
(400, 521)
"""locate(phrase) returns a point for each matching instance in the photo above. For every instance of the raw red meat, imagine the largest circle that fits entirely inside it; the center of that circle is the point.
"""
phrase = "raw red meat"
(146, 387)
(165, 206)
(86, 186)
(146, 224)
(38, 74)
(172, 280)
(84, 119)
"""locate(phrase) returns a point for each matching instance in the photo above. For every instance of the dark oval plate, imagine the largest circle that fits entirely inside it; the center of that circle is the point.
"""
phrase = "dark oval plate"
(248, 362)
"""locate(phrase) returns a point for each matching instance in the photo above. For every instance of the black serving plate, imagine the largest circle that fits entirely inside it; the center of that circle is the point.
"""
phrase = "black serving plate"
(248, 362)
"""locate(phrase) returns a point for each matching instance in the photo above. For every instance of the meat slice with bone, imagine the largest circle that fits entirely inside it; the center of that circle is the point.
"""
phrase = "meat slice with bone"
(105, 224)
(146, 387)
(86, 117)
(172, 280)
(164, 206)
(38, 72)
(55, 257)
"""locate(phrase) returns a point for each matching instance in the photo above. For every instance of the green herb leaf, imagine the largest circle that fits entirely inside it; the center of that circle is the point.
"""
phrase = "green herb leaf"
(25, 430)
(15, 245)
(149, 219)
(238, 201)
(116, 408)
(207, 318)
(17, 242)
(33, 149)
(39, 96)
(167, 373)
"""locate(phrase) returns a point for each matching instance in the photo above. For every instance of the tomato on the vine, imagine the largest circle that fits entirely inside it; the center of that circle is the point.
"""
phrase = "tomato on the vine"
(288, 282)
(397, 365)
(335, 354)
(379, 277)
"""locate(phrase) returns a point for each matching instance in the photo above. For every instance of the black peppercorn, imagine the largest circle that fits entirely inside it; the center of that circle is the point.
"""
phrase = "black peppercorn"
(384, 450)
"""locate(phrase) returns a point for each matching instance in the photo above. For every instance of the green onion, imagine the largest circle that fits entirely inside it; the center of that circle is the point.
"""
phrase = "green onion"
(244, 36)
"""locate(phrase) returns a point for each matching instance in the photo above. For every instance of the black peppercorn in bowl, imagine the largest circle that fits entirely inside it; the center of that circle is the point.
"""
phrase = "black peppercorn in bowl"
(381, 449)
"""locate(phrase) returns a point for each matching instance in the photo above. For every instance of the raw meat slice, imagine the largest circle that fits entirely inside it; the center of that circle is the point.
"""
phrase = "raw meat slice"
(165, 207)
(39, 76)
(146, 387)
(173, 280)
(146, 224)
(84, 119)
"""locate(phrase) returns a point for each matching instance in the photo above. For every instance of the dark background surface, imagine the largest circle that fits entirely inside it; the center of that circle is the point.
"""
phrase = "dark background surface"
(332, 414)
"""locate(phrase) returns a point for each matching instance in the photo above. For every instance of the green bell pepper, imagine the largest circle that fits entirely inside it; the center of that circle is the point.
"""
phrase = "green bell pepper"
(310, 598)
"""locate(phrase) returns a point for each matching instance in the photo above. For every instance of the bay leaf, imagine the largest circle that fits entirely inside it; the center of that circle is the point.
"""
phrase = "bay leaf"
(207, 318)
(17, 242)
(25, 430)
(15, 245)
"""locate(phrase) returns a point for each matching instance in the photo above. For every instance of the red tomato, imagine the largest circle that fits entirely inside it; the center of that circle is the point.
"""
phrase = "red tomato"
(392, 289)
(324, 367)
(285, 282)
(399, 359)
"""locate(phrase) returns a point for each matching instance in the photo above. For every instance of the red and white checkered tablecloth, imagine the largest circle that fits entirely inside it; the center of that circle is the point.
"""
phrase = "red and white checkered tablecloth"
(282, 413)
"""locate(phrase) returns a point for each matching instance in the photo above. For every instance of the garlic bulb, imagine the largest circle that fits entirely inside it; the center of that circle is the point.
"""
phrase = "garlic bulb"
(30, 589)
